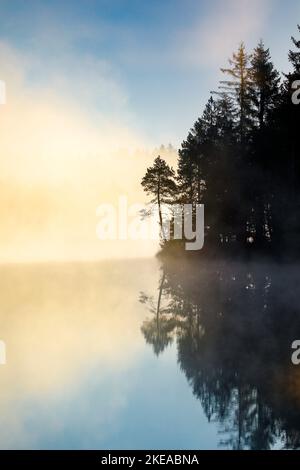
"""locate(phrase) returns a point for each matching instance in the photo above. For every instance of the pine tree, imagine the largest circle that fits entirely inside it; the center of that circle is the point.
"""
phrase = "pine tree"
(241, 158)
(207, 170)
(196, 155)
(265, 84)
(294, 56)
(186, 169)
(238, 90)
(225, 120)
(159, 182)
(266, 97)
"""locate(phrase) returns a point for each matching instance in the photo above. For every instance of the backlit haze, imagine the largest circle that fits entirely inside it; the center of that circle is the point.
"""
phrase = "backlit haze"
(93, 88)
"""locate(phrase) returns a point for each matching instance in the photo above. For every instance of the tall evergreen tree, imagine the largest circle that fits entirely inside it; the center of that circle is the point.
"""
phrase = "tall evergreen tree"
(294, 56)
(159, 182)
(186, 171)
(265, 83)
(265, 96)
(238, 89)
(241, 158)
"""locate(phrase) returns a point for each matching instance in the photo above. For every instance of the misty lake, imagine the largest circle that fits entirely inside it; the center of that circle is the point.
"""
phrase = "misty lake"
(146, 354)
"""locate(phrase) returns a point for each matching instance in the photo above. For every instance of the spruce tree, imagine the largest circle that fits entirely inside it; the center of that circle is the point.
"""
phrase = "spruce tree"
(159, 182)
(294, 56)
(265, 85)
(239, 90)
(187, 174)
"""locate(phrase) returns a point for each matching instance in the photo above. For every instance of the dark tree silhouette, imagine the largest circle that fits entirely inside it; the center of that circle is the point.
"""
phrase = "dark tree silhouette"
(235, 321)
(158, 330)
(294, 56)
(241, 160)
(265, 84)
(234, 324)
(159, 183)
(238, 89)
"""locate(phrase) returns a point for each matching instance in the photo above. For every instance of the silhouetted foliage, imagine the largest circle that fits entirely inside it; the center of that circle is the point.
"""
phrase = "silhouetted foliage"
(234, 324)
(159, 182)
(241, 160)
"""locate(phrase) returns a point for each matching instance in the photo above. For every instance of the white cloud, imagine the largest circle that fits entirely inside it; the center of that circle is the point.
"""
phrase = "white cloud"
(213, 38)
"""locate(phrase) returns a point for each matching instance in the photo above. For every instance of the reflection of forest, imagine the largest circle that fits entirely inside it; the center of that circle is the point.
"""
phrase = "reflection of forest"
(234, 325)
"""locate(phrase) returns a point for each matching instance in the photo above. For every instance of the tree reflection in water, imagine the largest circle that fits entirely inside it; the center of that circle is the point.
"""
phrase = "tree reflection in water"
(234, 325)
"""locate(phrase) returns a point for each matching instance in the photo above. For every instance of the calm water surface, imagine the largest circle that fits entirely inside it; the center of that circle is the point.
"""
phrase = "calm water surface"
(140, 354)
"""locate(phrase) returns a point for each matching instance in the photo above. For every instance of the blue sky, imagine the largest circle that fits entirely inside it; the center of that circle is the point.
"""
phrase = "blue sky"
(93, 88)
(159, 59)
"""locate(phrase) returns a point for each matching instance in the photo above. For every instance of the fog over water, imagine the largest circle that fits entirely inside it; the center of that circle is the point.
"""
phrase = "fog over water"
(144, 354)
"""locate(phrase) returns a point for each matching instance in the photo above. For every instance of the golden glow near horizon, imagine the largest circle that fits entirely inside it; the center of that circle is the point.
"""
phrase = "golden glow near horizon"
(57, 164)
(60, 156)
